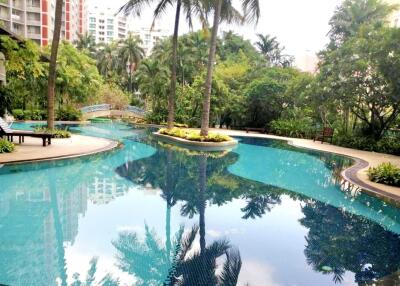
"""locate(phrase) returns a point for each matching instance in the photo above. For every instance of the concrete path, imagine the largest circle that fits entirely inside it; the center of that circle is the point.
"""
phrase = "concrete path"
(77, 145)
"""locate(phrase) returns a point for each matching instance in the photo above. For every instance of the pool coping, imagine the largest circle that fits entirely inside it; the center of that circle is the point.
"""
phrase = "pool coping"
(112, 144)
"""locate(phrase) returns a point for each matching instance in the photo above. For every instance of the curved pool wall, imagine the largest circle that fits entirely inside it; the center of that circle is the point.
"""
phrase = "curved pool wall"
(281, 207)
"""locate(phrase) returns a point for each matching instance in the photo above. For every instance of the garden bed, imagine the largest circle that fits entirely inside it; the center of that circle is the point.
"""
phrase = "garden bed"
(191, 139)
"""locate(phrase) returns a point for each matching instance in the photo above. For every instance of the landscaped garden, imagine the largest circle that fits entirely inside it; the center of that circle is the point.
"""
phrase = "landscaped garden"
(154, 206)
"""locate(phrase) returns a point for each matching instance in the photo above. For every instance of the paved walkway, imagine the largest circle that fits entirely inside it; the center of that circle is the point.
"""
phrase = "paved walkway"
(77, 145)
(357, 174)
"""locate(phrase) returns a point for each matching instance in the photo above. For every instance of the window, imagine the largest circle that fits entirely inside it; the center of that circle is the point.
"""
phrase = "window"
(92, 26)
(101, 21)
(101, 27)
(110, 27)
(92, 20)
(109, 33)
(110, 21)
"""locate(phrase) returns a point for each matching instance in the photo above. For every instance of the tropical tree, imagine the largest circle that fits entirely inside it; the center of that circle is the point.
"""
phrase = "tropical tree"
(53, 64)
(223, 10)
(152, 78)
(107, 59)
(191, 8)
(130, 53)
(272, 51)
(352, 14)
(86, 42)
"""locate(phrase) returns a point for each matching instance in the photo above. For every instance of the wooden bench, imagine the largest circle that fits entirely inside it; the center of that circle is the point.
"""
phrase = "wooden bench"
(326, 133)
(257, 129)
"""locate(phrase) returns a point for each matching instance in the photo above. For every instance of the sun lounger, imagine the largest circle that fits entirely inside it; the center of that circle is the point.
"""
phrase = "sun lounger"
(5, 130)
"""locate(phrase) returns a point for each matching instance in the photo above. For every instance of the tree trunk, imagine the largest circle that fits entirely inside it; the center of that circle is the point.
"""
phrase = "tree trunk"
(53, 64)
(205, 120)
(202, 201)
(172, 93)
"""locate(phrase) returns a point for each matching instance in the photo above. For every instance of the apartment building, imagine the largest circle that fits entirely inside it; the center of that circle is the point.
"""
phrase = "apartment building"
(34, 19)
(104, 25)
(150, 37)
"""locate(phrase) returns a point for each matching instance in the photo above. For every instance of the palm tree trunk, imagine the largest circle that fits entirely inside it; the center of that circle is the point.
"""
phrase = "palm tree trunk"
(205, 121)
(202, 201)
(172, 93)
(53, 64)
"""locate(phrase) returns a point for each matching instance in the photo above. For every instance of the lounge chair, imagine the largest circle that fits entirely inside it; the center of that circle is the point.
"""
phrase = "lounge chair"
(5, 130)
(326, 133)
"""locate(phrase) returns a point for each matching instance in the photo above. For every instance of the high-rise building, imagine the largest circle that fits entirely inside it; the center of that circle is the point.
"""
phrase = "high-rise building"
(34, 19)
(150, 37)
(104, 25)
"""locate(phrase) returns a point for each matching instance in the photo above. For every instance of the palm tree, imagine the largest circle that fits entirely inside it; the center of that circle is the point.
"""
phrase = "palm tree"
(130, 53)
(86, 42)
(190, 8)
(223, 10)
(269, 47)
(107, 58)
(152, 77)
(53, 64)
(352, 14)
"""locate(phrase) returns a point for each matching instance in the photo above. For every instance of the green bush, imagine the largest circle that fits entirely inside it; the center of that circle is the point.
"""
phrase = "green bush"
(300, 128)
(69, 113)
(385, 173)
(385, 145)
(57, 133)
(35, 114)
(18, 114)
(194, 135)
(6, 146)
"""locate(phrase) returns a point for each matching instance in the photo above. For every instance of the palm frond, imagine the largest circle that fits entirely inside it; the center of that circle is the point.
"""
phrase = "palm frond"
(231, 269)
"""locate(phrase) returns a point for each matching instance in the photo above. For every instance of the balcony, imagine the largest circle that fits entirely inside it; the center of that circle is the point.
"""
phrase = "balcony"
(34, 36)
(30, 8)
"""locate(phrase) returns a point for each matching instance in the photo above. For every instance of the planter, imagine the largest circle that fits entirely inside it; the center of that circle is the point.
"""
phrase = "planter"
(197, 145)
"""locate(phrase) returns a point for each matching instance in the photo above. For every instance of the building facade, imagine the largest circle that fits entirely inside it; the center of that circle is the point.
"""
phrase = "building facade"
(34, 19)
(104, 25)
(150, 37)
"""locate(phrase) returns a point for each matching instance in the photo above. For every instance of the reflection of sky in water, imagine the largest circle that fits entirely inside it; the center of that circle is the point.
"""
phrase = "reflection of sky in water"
(100, 196)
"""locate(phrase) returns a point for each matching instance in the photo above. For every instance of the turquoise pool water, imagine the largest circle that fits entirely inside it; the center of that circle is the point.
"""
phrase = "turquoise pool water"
(125, 218)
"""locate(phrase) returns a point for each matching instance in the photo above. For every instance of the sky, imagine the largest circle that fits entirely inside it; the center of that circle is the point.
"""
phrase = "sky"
(299, 25)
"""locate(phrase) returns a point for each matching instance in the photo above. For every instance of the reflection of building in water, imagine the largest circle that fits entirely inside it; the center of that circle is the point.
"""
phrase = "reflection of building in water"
(73, 205)
(34, 228)
(106, 189)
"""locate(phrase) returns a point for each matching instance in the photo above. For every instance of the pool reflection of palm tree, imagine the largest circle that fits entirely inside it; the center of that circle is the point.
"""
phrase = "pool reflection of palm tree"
(338, 242)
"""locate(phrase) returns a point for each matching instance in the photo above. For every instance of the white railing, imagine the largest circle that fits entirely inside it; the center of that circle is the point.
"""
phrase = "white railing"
(94, 108)
(135, 109)
(106, 107)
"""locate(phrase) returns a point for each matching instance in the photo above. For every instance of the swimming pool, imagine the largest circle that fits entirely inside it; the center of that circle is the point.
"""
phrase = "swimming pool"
(150, 214)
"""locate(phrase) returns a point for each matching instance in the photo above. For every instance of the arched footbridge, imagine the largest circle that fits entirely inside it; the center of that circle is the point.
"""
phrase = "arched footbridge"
(106, 110)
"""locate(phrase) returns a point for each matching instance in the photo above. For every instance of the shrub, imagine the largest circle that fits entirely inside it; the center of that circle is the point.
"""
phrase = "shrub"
(18, 114)
(194, 135)
(57, 133)
(35, 114)
(6, 146)
(385, 173)
(69, 113)
(292, 127)
(385, 145)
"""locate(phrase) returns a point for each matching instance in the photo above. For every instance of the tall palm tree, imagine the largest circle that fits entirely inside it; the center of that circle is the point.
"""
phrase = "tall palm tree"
(53, 64)
(191, 8)
(352, 14)
(130, 54)
(223, 11)
(269, 47)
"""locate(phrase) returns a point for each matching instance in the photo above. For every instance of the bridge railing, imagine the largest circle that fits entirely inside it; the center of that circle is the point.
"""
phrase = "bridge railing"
(106, 107)
(94, 108)
(135, 109)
